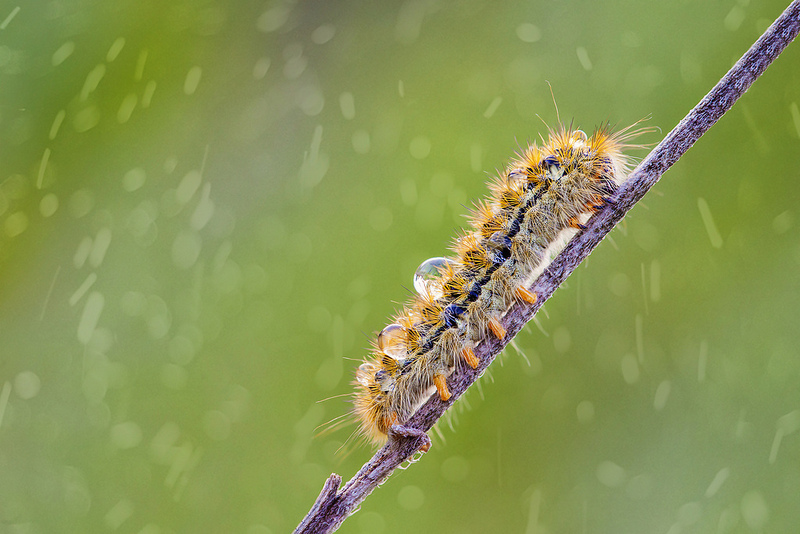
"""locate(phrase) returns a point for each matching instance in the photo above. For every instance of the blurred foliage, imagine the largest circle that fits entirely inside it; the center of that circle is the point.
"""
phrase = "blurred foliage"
(208, 207)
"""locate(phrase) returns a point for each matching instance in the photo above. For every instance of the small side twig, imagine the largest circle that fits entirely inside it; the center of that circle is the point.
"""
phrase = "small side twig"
(332, 507)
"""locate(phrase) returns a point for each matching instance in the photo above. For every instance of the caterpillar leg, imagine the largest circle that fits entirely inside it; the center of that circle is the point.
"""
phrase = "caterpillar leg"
(441, 386)
(470, 357)
(525, 295)
(496, 328)
(405, 432)
(573, 223)
(600, 202)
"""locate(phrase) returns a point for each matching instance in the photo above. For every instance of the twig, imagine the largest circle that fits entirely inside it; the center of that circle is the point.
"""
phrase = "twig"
(332, 507)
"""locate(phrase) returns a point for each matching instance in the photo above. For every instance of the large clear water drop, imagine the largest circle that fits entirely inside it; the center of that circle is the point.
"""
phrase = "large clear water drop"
(427, 278)
(392, 341)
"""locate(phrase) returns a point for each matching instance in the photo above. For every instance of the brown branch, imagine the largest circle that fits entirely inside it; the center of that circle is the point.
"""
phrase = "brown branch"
(332, 507)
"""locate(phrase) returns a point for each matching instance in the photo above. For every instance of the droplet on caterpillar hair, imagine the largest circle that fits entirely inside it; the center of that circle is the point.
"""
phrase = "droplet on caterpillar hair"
(427, 279)
(518, 176)
(392, 341)
(580, 135)
(365, 370)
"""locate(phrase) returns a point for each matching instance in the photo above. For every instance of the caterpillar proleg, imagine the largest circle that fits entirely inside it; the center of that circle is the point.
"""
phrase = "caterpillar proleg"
(542, 197)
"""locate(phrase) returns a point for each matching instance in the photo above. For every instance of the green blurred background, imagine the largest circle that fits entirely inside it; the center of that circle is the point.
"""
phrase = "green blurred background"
(208, 208)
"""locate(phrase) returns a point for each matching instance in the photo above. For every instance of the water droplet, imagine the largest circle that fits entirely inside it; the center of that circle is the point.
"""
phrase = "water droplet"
(84, 287)
(81, 203)
(134, 179)
(186, 249)
(420, 147)
(323, 34)
(427, 277)
(27, 385)
(361, 141)
(48, 205)
(188, 186)
(295, 66)
(204, 210)
(127, 107)
(126, 435)
(147, 95)
(392, 341)
(57, 124)
(493, 107)
(411, 497)
(610, 474)
(755, 510)
(272, 19)
(63, 52)
(90, 317)
(662, 394)
(99, 247)
(630, 369)
(118, 514)
(455, 469)
(93, 80)
(115, 49)
(719, 479)
(517, 176)
(585, 411)
(529, 33)
(261, 67)
(348, 105)
(16, 223)
(86, 119)
(365, 370)
(579, 142)
(192, 80)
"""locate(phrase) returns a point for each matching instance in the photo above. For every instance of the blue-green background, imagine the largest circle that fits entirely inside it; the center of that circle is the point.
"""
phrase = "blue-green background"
(208, 208)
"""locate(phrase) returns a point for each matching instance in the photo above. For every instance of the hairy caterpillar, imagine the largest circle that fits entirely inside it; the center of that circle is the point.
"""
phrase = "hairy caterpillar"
(542, 196)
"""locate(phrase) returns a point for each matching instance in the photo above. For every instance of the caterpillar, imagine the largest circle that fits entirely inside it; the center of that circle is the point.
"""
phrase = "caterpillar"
(545, 194)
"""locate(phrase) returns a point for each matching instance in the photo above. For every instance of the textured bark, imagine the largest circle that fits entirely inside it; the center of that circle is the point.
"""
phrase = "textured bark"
(332, 507)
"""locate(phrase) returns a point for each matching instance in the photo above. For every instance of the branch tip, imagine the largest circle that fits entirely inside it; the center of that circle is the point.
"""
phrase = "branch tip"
(400, 433)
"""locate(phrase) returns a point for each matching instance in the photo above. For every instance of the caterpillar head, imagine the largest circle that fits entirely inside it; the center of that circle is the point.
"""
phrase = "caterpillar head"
(375, 381)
